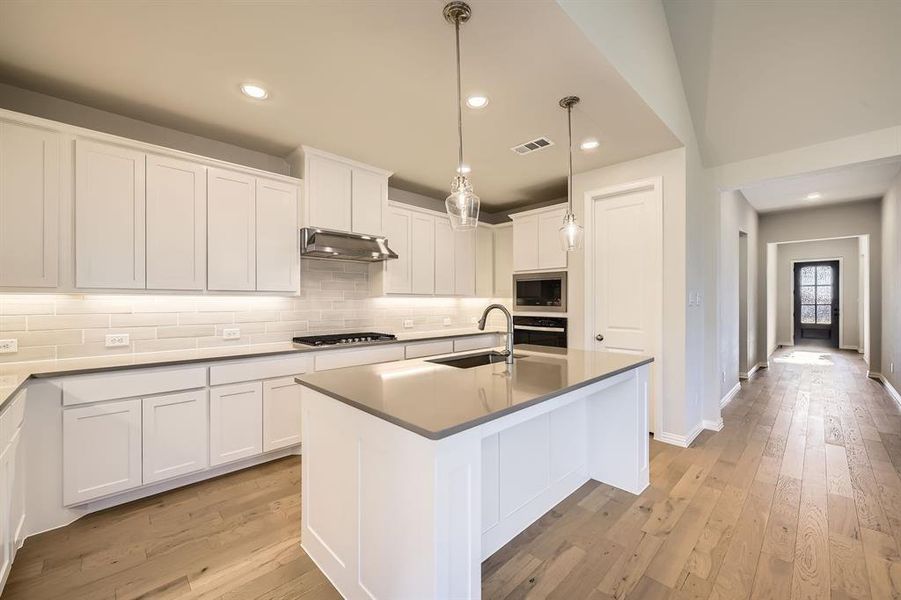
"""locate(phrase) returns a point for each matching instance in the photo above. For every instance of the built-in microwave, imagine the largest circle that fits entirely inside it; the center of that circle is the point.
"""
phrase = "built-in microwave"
(542, 292)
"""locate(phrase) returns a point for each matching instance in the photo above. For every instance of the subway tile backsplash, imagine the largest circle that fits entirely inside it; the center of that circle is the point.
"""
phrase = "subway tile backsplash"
(334, 297)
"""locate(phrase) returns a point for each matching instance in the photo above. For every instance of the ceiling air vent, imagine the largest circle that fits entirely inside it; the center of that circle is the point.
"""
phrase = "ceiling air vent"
(533, 145)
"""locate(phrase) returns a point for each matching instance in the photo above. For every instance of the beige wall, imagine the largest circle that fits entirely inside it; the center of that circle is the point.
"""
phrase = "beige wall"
(848, 250)
(819, 223)
(891, 277)
(737, 216)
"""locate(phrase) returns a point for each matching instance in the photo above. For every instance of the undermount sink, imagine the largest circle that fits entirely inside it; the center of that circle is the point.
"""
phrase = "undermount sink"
(473, 360)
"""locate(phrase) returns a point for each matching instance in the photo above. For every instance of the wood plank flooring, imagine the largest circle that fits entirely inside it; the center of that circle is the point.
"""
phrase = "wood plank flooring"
(799, 496)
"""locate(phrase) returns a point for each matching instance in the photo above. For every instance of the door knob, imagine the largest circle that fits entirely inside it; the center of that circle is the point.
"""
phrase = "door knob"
(599, 337)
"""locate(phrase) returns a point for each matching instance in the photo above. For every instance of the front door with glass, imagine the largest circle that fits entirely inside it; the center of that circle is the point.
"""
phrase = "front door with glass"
(816, 303)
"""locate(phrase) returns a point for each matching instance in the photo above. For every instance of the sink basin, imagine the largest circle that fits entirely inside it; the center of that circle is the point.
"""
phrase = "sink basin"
(472, 360)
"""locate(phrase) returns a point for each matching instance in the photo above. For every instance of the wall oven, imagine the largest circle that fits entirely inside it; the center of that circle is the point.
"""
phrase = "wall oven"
(542, 331)
(539, 292)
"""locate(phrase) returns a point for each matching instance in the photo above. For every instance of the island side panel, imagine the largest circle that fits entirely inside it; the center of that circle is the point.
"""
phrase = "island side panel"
(618, 439)
(388, 513)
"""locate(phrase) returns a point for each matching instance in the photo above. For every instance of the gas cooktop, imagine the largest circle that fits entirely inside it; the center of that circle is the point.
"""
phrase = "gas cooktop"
(344, 338)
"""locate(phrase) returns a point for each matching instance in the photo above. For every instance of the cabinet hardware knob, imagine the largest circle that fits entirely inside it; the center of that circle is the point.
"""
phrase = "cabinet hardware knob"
(599, 337)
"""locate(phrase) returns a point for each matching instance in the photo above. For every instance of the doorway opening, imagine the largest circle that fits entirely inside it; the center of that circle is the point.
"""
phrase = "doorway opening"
(816, 299)
(743, 354)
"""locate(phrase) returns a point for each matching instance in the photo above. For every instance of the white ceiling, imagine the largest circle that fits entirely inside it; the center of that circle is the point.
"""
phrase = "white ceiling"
(373, 81)
(862, 181)
(764, 77)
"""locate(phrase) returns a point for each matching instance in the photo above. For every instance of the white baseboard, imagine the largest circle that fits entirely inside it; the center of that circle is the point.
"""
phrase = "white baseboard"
(849, 347)
(730, 395)
(874, 375)
(891, 390)
(782, 345)
(713, 425)
(683, 441)
(750, 373)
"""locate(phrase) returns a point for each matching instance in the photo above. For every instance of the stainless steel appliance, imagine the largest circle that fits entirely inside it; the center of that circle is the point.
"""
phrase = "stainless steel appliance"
(544, 292)
(341, 245)
(542, 331)
(367, 337)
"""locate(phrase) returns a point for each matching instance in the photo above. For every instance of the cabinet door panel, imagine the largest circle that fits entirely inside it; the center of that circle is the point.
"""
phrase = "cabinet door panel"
(175, 435)
(397, 230)
(551, 254)
(236, 422)
(444, 258)
(503, 262)
(278, 254)
(370, 191)
(281, 413)
(109, 216)
(484, 262)
(465, 262)
(525, 243)
(101, 450)
(422, 254)
(330, 194)
(5, 529)
(176, 224)
(231, 231)
(29, 206)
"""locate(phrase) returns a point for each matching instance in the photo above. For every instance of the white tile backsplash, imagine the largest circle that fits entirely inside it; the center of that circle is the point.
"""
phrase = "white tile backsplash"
(334, 298)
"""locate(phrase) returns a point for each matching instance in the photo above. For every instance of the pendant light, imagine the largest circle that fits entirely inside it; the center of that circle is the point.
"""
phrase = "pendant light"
(571, 233)
(462, 205)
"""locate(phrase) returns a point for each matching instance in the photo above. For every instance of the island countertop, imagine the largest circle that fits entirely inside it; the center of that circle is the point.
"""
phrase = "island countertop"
(437, 401)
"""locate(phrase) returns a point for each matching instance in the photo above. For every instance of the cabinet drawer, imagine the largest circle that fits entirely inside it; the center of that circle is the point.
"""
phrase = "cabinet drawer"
(264, 368)
(430, 348)
(476, 342)
(360, 356)
(83, 389)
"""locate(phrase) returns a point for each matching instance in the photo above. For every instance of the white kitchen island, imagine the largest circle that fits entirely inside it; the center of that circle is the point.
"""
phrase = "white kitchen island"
(415, 472)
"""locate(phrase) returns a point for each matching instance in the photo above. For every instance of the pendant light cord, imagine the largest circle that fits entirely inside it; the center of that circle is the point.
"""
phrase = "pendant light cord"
(459, 98)
(569, 181)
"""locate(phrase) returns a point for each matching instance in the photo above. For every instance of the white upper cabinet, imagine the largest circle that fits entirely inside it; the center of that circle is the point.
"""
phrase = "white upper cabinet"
(484, 262)
(278, 253)
(231, 231)
(503, 262)
(465, 262)
(342, 194)
(329, 185)
(444, 258)
(109, 216)
(369, 194)
(397, 271)
(176, 224)
(536, 240)
(29, 206)
(422, 257)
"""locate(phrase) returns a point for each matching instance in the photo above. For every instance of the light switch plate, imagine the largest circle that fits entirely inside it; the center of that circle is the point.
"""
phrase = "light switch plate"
(232, 333)
(408, 323)
(115, 340)
(9, 346)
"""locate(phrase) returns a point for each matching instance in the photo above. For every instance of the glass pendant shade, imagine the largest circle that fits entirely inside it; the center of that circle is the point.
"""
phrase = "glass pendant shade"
(462, 205)
(571, 234)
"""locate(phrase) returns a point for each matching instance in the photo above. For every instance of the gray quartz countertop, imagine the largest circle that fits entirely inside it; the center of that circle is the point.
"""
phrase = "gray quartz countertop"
(13, 376)
(437, 401)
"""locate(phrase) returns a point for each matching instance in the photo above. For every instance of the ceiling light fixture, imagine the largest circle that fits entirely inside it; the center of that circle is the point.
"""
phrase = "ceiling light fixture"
(462, 205)
(814, 196)
(589, 144)
(477, 101)
(252, 90)
(571, 233)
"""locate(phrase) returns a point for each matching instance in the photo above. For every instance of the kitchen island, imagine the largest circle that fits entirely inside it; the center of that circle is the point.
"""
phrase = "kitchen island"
(414, 472)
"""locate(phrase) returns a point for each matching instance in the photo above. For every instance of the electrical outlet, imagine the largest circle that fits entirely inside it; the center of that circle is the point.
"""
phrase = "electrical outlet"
(447, 321)
(408, 323)
(232, 333)
(115, 340)
(9, 346)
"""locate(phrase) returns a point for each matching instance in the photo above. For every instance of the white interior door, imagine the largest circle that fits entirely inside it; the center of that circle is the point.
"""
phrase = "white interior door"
(625, 294)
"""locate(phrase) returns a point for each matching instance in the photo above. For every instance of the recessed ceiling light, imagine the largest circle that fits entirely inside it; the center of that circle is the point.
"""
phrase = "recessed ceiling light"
(814, 196)
(589, 144)
(464, 169)
(252, 90)
(477, 101)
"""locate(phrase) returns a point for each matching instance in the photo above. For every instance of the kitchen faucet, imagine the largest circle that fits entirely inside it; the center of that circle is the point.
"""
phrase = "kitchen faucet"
(508, 351)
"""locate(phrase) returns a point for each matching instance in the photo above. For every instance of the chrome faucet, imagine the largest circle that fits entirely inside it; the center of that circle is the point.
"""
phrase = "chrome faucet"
(508, 351)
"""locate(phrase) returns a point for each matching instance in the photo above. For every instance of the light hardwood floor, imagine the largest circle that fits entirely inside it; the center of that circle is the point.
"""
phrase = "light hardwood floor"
(799, 496)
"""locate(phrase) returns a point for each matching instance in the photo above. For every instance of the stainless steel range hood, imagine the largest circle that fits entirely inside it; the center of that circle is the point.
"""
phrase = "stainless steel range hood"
(340, 245)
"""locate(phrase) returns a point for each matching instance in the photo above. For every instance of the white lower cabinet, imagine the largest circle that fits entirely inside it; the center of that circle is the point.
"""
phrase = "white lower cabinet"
(236, 422)
(101, 450)
(175, 436)
(281, 413)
